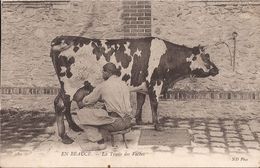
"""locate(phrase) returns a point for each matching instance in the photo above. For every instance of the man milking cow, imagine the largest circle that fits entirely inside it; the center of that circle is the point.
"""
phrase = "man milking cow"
(114, 93)
(149, 65)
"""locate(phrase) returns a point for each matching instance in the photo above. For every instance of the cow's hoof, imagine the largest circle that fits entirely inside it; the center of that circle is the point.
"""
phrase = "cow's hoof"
(157, 127)
(76, 128)
(67, 140)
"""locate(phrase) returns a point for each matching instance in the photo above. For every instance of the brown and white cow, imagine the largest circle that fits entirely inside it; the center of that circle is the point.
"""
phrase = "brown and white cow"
(151, 62)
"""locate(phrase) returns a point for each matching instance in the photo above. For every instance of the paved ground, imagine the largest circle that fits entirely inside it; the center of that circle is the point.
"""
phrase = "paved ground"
(208, 135)
(226, 129)
(32, 133)
(220, 135)
(22, 132)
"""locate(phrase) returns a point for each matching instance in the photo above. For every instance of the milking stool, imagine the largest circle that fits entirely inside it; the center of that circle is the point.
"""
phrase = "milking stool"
(122, 132)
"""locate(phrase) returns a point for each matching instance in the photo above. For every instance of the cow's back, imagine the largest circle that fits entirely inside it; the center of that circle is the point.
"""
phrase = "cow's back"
(84, 59)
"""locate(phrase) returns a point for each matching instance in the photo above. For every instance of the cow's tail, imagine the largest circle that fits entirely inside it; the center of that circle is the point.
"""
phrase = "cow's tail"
(54, 56)
(56, 49)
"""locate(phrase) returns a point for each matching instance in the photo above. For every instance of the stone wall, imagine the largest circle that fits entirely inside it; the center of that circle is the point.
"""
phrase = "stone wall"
(27, 31)
(193, 23)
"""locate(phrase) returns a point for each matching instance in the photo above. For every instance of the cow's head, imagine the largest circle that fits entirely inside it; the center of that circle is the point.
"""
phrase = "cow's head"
(200, 64)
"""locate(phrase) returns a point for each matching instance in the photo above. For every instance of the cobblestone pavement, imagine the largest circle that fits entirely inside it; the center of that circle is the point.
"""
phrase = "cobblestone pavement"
(22, 133)
(222, 136)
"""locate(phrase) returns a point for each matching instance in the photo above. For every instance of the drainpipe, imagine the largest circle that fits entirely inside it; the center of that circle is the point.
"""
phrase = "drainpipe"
(234, 35)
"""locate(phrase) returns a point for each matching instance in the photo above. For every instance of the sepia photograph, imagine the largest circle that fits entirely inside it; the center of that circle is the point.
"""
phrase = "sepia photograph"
(130, 83)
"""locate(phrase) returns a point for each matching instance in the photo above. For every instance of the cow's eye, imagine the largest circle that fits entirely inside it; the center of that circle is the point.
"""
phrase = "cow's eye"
(194, 58)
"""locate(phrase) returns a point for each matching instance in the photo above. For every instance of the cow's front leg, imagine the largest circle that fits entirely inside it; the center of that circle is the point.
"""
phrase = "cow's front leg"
(140, 103)
(154, 93)
(59, 112)
(70, 121)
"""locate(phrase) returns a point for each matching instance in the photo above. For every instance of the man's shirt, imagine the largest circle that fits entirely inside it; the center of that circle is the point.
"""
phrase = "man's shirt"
(115, 94)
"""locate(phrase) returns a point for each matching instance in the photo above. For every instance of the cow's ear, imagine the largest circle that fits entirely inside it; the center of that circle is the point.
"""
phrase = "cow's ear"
(196, 50)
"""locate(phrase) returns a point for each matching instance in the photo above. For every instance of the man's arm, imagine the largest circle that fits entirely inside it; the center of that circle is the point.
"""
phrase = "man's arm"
(93, 97)
(141, 89)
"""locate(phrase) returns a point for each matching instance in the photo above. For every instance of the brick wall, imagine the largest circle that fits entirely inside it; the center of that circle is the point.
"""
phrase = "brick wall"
(175, 94)
(136, 18)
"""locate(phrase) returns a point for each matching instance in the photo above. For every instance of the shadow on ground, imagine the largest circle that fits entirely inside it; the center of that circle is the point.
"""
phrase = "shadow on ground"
(21, 127)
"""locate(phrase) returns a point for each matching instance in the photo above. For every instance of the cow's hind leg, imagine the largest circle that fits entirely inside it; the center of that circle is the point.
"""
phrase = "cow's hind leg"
(72, 124)
(154, 107)
(154, 98)
(59, 111)
(140, 103)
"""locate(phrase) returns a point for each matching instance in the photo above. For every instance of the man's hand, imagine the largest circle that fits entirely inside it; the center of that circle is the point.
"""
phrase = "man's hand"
(141, 89)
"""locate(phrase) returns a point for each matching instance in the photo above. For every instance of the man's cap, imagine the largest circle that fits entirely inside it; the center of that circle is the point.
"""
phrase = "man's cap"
(110, 67)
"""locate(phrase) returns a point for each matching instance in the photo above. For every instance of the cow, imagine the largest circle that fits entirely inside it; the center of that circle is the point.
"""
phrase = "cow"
(150, 63)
